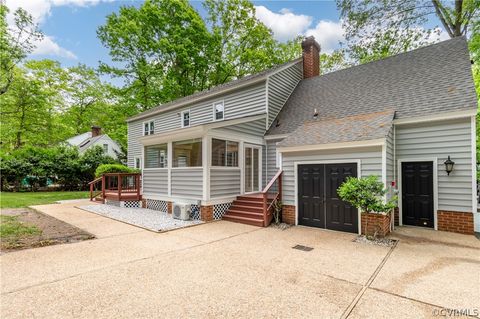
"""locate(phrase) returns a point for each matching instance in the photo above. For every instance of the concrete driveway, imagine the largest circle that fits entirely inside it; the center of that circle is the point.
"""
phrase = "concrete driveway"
(224, 269)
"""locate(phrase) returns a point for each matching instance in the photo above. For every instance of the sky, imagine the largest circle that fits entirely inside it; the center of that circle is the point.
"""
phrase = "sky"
(70, 25)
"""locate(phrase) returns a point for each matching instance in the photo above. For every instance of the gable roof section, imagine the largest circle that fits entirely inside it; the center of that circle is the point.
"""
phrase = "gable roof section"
(219, 89)
(430, 80)
(79, 139)
(360, 127)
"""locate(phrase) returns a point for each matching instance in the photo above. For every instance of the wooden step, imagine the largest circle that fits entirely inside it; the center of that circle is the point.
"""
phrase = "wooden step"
(250, 198)
(243, 213)
(254, 209)
(244, 220)
(247, 203)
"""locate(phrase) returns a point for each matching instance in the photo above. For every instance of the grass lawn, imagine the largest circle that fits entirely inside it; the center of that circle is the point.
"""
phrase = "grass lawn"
(10, 226)
(23, 199)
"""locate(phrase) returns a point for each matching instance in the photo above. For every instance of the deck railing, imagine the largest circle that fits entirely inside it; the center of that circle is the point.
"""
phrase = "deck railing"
(272, 194)
(116, 186)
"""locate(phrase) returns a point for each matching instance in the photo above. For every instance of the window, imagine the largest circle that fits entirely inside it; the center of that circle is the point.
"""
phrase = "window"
(224, 153)
(185, 118)
(137, 162)
(105, 148)
(187, 153)
(156, 156)
(148, 128)
(218, 111)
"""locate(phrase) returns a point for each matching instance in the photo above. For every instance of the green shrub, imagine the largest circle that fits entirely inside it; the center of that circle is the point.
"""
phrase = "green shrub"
(367, 194)
(114, 168)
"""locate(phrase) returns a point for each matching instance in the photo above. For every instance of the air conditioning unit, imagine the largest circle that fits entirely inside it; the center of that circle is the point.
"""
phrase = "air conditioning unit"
(181, 211)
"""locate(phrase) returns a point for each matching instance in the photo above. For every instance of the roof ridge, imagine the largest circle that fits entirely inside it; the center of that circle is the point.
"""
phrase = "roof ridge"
(392, 56)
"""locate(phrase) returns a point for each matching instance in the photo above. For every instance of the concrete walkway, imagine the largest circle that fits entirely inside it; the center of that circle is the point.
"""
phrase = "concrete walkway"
(224, 269)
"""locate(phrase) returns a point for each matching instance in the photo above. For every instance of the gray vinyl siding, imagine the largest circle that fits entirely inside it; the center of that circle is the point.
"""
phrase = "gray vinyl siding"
(187, 182)
(280, 86)
(134, 147)
(224, 182)
(247, 101)
(439, 140)
(390, 162)
(271, 159)
(155, 181)
(256, 128)
(370, 158)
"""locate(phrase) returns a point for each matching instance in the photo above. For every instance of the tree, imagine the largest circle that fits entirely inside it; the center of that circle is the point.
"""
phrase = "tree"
(164, 50)
(241, 44)
(23, 113)
(161, 49)
(380, 28)
(86, 98)
(15, 43)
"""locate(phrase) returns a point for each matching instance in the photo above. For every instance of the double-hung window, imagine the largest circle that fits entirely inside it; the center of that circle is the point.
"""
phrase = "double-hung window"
(224, 153)
(218, 111)
(156, 156)
(186, 118)
(148, 128)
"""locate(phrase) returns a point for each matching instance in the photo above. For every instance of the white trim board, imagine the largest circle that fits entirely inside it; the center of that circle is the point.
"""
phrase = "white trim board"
(436, 117)
(365, 143)
(434, 160)
(295, 172)
(476, 214)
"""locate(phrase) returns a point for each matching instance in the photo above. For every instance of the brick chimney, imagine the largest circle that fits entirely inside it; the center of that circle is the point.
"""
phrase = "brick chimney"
(96, 131)
(311, 57)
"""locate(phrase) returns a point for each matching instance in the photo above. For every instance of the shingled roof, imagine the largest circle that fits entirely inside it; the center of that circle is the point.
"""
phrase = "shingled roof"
(430, 80)
(347, 129)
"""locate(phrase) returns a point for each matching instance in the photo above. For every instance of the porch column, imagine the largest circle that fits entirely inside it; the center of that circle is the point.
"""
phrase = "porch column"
(169, 167)
(206, 167)
(241, 146)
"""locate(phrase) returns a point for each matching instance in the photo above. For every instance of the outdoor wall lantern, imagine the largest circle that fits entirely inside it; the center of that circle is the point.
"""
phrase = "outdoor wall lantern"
(449, 165)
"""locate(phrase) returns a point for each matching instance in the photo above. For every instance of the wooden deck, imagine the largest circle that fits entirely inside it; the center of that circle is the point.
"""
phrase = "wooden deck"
(116, 186)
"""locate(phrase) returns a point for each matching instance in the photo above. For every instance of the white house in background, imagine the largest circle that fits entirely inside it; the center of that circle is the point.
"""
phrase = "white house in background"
(95, 137)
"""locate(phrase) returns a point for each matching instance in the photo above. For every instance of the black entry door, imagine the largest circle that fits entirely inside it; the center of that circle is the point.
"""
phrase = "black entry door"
(311, 206)
(318, 201)
(417, 193)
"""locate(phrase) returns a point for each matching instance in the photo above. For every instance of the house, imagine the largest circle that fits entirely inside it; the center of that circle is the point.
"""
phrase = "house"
(400, 118)
(93, 138)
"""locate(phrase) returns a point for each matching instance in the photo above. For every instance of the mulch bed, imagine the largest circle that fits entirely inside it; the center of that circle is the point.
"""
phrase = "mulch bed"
(53, 231)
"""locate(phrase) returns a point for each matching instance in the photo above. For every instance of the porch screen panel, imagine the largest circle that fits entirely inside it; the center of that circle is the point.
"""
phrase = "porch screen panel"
(224, 153)
(187, 153)
(156, 156)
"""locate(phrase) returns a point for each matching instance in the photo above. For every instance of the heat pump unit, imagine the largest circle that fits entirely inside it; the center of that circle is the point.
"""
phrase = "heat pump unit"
(181, 211)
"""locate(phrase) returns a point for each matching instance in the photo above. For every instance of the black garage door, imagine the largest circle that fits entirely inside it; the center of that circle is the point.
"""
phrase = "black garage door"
(318, 201)
(417, 193)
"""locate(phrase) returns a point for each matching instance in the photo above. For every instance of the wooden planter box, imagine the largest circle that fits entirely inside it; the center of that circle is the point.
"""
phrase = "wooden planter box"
(376, 222)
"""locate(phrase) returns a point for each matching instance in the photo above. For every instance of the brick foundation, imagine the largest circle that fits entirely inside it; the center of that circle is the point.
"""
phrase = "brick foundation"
(396, 216)
(169, 207)
(288, 214)
(375, 223)
(206, 213)
(457, 222)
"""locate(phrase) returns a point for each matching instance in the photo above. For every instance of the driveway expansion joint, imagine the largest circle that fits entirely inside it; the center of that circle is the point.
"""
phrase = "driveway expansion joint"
(359, 295)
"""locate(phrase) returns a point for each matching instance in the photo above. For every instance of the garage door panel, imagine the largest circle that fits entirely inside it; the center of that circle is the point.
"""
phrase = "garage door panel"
(310, 194)
(319, 203)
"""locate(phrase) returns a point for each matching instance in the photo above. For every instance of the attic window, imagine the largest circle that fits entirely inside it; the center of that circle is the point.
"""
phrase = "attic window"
(218, 110)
